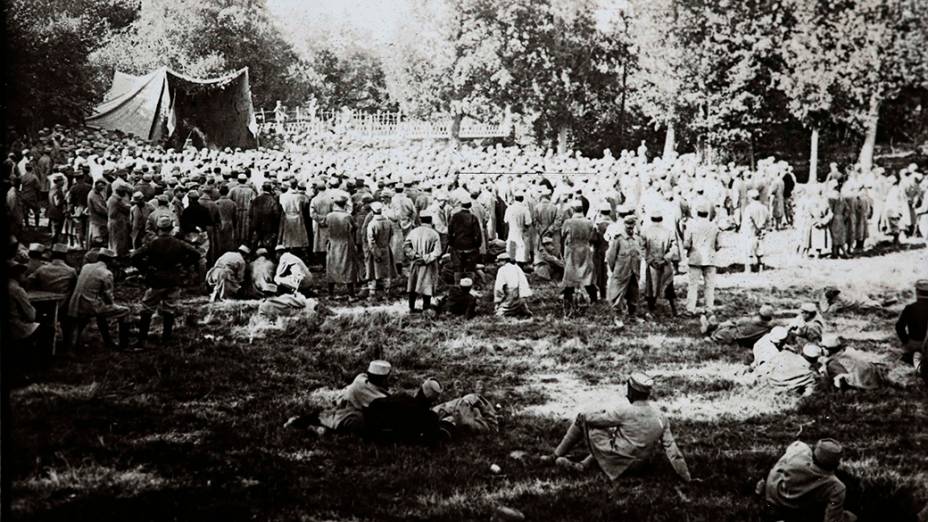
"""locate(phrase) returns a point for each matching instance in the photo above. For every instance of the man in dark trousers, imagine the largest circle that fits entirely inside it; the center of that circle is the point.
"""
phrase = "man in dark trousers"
(264, 216)
(912, 327)
(464, 241)
(163, 261)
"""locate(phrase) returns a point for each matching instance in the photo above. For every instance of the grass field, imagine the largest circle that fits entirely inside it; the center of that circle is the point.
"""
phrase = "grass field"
(192, 431)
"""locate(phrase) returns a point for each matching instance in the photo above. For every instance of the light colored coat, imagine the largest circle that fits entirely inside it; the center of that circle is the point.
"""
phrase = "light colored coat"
(228, 273)
(423, 248)
(290, 265)
(341, 254)
(660, 250)
(519, 240)
(351, 402)
(701, 242)
(624, 261)
(93, 293)
(628, 435)
(797, 482)
(578, 252)
(292, 233)
(378, 261)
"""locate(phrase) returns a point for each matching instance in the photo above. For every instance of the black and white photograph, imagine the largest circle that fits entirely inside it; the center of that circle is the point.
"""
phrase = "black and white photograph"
(464, 260)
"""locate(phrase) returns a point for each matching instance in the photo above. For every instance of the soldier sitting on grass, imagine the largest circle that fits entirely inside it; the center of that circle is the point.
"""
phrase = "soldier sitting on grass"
(623, 437)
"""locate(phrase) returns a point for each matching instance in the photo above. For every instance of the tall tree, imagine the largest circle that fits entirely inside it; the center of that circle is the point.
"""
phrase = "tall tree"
(812, 69)
(48, 78)
(204, 38)
(882, 46)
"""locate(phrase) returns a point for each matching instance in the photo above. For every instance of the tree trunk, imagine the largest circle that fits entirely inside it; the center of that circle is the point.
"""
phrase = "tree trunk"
(669, 143)
(866, 151)
(456, 128)
(622, 108)
(813, 158)
(562, 139)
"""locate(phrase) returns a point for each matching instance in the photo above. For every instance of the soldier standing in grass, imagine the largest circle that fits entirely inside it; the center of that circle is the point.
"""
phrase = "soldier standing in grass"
(701, 242)
(624, 260)
(660, 252)
(341, 256)
(802, 485)
(578, 233)
(423, 250)
(164, 261)
(378, 256)
(624, 437)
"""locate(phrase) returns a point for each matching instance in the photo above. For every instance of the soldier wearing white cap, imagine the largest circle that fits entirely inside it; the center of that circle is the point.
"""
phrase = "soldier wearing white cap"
(460, 301)
(623, 437)
(802, 485)
(767, 347)
(261, 272)
(347, 414)
(519, 219)
(511, 288)
(701, 242)
(227, 274)
(408, 417)
(789, 372)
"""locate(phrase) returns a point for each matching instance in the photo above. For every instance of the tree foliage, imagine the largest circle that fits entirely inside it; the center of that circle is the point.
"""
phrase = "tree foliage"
(47, 76)
(720, 72)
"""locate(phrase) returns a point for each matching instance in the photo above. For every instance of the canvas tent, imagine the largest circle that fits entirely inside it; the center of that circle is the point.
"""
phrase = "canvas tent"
(167, 105)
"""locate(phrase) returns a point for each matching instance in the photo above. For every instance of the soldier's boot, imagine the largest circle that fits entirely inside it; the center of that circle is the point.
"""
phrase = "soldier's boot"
(652, 304)
(673, 307)
(168, 332)
(593, 292)
(123, 335)
(104, 328)
(144, 327)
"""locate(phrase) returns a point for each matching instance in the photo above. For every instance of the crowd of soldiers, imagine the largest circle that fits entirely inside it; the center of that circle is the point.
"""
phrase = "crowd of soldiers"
(261, 223)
